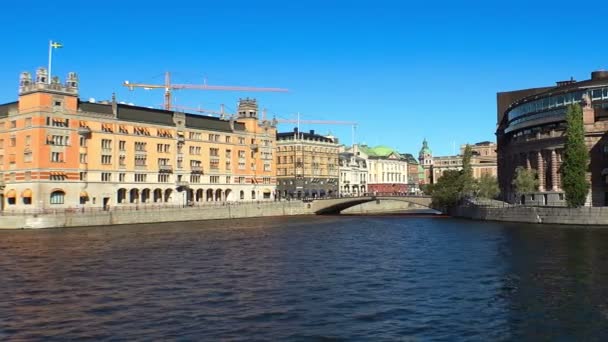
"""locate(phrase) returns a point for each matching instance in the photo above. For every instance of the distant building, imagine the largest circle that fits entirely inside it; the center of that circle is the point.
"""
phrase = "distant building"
(387, 168)
(483, 161)
(307, 165)
(353, 173)
(415, 173)
(531, 134)
(59, 152)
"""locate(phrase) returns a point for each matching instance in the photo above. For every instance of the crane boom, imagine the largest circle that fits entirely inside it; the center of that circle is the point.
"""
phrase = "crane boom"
(169, 87)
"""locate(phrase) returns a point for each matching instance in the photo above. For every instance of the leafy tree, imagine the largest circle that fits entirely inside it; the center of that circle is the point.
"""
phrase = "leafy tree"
(576, 158)
(525, 181)
(488, 186)
(468, 182)
(446, 192)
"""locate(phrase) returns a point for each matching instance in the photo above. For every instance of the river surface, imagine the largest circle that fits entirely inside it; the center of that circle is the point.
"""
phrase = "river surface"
(378, 278)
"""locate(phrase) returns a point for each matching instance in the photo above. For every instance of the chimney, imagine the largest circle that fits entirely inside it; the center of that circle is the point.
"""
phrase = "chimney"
(312, 132)
(295, 129)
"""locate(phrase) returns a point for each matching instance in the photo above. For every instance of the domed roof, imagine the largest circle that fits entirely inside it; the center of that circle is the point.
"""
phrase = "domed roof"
(425, 148)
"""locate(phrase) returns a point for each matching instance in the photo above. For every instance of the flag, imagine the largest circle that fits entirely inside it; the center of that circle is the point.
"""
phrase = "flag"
(56, 45)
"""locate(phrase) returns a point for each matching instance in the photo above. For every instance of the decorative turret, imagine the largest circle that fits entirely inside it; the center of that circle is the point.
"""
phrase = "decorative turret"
(248, 108)
(426, 155)
(42, 83)
(41, 76)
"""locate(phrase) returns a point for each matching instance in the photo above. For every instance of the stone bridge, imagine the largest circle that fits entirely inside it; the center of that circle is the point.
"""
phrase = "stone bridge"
(336, 205)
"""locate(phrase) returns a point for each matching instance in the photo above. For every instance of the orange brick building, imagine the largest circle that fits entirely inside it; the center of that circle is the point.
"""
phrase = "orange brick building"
(59, 152)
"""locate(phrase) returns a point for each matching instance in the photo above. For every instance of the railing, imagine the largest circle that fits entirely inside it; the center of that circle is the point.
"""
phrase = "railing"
(165, 168)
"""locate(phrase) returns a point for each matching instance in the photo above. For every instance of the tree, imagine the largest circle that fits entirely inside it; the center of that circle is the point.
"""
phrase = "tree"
(468, 182)
(488, 186)
(525, 181)
(446, 192)
(576, 158)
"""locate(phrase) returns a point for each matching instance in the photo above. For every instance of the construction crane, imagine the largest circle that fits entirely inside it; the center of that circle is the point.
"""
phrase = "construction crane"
(169, 87)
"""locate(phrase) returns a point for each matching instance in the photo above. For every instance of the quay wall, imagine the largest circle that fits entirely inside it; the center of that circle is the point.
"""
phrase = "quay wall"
(585, 216)
(148, 215)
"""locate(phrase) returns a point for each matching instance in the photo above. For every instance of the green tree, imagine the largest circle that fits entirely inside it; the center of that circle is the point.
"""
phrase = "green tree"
(576, 158)
(488, 186)
(468, 182)
(525, 181)
(446, 192)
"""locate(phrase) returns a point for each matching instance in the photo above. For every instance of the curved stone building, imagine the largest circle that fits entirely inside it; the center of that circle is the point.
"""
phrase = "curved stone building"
(531, 133)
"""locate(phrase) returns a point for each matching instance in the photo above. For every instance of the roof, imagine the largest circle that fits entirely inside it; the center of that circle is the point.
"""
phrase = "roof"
(410, 158)
(160, 116)
(379, 152)
(306, 136)
(5, 108)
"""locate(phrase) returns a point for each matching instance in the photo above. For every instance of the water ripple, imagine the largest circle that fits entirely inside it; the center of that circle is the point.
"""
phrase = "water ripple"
(305, 279)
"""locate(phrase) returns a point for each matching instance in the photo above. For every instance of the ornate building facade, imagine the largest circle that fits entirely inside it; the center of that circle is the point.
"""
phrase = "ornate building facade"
(483, 161)
(387, 168)
(353, 173)
(531, 134)
(59, 152)
(307, 165)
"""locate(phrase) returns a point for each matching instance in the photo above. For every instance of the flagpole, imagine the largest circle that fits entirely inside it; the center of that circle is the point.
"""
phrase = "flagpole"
(50, 60)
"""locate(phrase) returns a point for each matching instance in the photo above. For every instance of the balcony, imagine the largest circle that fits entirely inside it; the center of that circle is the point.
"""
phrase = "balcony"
(181, 139)
(182, 184)
(165, 168)
(196, 169)
(84, 130)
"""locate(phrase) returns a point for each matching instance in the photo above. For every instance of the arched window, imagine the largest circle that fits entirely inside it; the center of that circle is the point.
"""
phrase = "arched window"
(242, 195)
(57, 197)
(252, 194)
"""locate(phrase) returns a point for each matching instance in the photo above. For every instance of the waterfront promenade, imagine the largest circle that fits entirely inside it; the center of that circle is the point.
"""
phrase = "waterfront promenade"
(74, 217)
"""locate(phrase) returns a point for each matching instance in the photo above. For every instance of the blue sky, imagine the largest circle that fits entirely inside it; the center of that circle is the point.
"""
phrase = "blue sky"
(404, 71)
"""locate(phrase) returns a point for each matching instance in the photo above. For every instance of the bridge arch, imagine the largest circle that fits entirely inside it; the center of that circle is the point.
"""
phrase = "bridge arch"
(336, 205)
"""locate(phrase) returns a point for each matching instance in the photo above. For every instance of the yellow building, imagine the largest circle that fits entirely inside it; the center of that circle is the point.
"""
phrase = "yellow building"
(59, 152)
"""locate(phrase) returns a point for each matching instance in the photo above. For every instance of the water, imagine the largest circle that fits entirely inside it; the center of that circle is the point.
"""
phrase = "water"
(307, 278)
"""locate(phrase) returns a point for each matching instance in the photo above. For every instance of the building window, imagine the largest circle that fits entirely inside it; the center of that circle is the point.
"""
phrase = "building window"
(122, 145)
(214, 179)
(83, 176)
(56, 157)
(106, 159)
(13, 124)
(106, 177)
(163, 178)
(227, 179)
(140, 146)
(195, 178)
(140, 160)
(106, 144)
(227, 139)
(57, 197)
(27, 156)
(28, 140)
(83, 158)
(214, 164)
(121, 177)
(57, 177)
(13, 141)
(83, 141)
(140, 177)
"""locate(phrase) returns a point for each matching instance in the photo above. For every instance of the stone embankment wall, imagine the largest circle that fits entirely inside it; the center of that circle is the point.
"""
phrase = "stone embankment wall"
(585, 216)
(104, 218)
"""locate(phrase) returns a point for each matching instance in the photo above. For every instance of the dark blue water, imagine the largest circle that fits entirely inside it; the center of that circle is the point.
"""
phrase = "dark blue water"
(309, 278)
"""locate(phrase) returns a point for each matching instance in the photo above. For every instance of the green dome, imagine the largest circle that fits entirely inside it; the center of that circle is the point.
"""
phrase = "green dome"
(425, 148)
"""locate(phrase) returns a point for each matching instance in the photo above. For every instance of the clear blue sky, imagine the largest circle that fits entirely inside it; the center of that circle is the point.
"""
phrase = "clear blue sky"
(404, 71)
